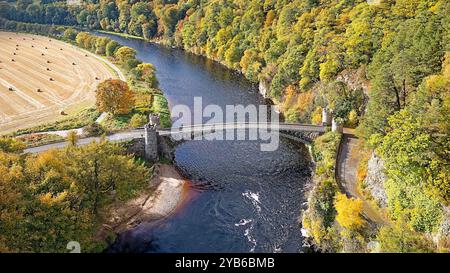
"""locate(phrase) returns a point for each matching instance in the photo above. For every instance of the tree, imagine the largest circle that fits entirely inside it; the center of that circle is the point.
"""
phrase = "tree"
(115, 97)
(100, 45)
(124, 54)
(72, 138)
(348, 212)
(11, 145)
(400, 239)
(57, 196)
(70, 34)
(138, 120)
(111, 48)
(146, 72)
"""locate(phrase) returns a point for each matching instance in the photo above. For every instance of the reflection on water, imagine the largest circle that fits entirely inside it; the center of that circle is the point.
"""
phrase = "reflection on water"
(243, 200)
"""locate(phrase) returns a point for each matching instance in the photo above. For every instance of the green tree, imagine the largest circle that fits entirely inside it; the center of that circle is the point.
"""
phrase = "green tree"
(400, 239)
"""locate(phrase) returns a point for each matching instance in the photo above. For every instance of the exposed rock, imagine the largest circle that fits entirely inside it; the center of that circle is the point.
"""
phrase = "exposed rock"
(355, 79)
(264, 88)
(375, 180)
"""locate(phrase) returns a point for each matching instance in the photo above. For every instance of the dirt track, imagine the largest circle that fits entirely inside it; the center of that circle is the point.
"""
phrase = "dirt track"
(72, 86)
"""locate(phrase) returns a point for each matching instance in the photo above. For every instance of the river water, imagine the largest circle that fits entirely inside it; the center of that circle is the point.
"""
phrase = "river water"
(241, 199)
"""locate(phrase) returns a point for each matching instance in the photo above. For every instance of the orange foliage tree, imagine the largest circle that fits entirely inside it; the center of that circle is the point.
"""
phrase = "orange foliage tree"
(115, 97)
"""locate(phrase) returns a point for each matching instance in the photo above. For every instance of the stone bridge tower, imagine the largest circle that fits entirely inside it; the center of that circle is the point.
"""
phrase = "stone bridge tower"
(151, 138)
(326, 117)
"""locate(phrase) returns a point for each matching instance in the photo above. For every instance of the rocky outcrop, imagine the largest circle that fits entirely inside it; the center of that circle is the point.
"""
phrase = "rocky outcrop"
(264, 88)
(354, 79)
(375, 178)
(442, 237)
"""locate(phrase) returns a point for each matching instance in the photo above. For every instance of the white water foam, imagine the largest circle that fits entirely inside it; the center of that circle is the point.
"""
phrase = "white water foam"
(254, 198)
(243, 222)
(250, 238)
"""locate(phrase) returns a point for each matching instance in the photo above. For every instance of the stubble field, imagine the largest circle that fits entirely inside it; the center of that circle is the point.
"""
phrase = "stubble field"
(43, 80)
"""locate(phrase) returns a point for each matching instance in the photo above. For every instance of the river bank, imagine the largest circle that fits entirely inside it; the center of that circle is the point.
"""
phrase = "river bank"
(166, 191)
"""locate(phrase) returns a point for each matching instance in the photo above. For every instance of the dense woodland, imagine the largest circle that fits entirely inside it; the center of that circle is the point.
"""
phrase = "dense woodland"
(49, 199)
(382, 67)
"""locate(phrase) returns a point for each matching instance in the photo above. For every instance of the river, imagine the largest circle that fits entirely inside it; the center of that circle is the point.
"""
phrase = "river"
(241, 199)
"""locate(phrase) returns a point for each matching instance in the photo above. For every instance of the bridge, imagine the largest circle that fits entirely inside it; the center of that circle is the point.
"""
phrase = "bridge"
(153, 134)
(304, 133)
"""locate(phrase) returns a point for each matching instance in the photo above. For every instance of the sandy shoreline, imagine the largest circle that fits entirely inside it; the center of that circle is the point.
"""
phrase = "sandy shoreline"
(165, 193)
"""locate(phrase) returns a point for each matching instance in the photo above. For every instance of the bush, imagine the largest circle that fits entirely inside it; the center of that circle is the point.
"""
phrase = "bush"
(138, 120)
(93, 129)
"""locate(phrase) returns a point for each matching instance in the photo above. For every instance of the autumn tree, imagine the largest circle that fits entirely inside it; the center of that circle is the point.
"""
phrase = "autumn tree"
(349, 212)
(399, 238)
(124, 54)
(115, 97)
(70, 34)
(11, 145)
(146, 72)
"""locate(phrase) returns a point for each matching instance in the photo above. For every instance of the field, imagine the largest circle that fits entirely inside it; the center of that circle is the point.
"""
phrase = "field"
(43, 80)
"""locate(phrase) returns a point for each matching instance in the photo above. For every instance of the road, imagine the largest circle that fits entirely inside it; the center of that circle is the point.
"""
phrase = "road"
(117, 137)
(347, 169)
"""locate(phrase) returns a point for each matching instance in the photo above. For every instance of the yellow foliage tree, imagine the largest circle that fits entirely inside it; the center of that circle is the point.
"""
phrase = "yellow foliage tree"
(304, 102)
(316, 117)
(125, 53)
(348, 212)
(352, 118)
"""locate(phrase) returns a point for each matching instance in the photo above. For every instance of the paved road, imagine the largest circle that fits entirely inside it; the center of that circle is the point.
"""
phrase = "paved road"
(122, 136)
(347, 170)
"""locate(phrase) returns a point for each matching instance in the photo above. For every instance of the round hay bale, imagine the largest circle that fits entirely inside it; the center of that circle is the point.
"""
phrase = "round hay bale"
(73, 63)
(32, 45)
(14, 53)
(63, 113)
(9, 38)
(42, 54)
(60, 49)
(17, 45)
(39, 90)
(51, 79)
(48, 69)
(97, 78)
(46, 48)
(48, 62)
(85, 55)
(12, 60)
(10, 89)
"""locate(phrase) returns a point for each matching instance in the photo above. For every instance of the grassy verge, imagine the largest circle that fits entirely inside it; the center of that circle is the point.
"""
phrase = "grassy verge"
(83, 118)
(125, 35)
(35, 140)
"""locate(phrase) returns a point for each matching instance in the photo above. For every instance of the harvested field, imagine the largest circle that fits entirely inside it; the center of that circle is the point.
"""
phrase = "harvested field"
(36, 88)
